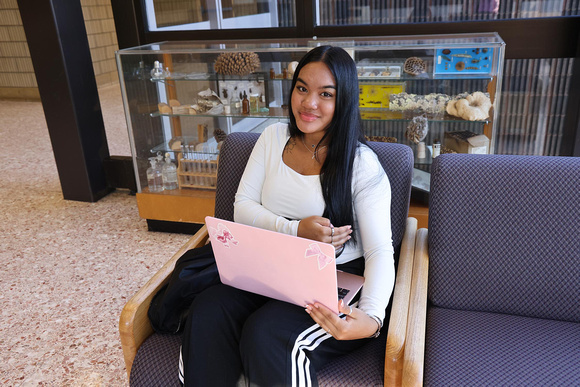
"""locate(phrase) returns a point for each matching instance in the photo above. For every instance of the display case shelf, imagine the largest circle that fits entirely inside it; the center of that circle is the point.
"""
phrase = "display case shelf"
(368, 114)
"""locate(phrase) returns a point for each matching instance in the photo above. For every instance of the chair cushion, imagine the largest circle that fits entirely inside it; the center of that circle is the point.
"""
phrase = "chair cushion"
(503, 235)
(157, 362)
(363, 367)
(491, 349)
(158, 358)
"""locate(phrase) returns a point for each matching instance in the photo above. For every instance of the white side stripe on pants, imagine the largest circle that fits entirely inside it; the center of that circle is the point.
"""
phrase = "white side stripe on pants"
(181, 373)
(307, 340)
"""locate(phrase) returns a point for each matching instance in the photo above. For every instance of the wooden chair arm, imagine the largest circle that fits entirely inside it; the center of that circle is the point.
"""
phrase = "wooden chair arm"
(400, 307)
(134, 325)
(416, 325)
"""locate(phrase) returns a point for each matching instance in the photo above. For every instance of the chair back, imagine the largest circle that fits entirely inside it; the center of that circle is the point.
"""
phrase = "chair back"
(234, 155)
(504, 235)
(396, 159)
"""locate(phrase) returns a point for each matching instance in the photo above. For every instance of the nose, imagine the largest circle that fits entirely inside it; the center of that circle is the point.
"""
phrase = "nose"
(309, 101)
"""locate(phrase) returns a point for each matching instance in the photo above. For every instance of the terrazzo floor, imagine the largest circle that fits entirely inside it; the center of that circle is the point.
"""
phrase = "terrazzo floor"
(67, 268)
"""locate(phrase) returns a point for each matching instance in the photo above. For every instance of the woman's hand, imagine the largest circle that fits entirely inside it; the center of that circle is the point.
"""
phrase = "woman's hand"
(356, 325)
(320, 229)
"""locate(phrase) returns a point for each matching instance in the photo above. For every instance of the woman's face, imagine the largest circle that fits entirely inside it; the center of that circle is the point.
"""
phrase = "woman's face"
(314, 98)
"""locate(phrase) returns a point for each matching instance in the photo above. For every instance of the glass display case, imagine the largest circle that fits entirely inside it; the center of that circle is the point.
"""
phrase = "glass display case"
(436, 93)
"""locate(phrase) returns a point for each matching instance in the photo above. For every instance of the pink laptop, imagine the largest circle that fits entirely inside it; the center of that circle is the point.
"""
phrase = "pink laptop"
(287, 268)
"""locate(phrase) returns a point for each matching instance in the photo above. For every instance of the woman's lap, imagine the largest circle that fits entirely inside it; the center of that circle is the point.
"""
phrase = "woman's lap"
(270, 341)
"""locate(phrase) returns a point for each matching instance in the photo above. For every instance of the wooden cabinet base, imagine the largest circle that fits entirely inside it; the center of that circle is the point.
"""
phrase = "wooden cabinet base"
(180, 205)
(420, 212)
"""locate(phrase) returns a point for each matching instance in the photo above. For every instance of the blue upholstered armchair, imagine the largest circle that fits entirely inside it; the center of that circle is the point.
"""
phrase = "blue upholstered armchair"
(501, 306)
(152, 359)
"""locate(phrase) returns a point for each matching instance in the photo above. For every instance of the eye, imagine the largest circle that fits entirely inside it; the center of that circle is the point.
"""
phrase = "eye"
(326, 94)
(301, 89)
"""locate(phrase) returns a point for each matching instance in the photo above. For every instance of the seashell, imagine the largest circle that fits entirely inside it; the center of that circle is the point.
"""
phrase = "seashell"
(415, 66)
(417, 129)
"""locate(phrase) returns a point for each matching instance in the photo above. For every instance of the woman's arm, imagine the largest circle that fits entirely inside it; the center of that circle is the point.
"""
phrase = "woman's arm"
(372, 206)
(248, 208)
(372, 201)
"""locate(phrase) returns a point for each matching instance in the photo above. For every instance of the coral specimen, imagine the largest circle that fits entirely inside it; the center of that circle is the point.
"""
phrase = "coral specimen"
(417, 129)
(473, 107)
(415, 66)
(433, 103)
(381, 139)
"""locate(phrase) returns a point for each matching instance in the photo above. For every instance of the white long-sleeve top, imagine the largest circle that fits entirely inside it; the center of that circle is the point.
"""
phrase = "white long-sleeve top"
(270, 193)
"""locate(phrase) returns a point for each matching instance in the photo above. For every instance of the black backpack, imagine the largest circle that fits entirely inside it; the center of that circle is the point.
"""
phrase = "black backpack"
(194, 272)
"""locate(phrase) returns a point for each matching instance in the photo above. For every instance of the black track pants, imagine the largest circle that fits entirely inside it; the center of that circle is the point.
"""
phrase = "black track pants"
(232, 334)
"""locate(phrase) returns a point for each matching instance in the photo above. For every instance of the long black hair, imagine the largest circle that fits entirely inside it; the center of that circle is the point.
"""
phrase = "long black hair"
(343, 135)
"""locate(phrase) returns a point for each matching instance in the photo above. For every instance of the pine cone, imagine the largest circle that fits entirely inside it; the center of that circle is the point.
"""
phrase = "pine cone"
(219, 135)
(237, 63)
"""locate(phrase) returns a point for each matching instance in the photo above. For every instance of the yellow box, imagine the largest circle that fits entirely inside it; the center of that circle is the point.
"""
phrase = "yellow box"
(377, 96)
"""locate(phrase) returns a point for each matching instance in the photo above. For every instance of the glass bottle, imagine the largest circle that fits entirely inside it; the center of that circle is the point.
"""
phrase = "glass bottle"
(141, 72)
(157, 72)
(169, 174)
(226, 103)
(154, 176)
(254, 103)
(263, 108)
(436, 148)
(235, 104)
(245, 104)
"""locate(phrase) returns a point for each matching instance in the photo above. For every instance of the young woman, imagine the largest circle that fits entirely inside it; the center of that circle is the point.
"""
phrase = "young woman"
(317, 179)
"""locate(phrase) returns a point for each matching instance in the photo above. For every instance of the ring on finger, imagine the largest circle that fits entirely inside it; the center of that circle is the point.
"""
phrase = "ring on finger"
(350, 312)
(332, 231)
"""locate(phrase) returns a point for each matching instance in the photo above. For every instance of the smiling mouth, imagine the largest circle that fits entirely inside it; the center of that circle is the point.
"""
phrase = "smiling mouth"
(308, 117)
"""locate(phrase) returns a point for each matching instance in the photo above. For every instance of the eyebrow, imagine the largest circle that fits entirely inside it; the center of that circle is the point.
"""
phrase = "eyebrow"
(323, 87)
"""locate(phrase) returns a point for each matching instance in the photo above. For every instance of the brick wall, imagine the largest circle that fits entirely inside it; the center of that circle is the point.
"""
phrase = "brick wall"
(17, 79)
(102, 36)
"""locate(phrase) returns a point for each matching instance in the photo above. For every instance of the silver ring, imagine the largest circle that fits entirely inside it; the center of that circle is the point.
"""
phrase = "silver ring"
(332, 231)
(349, 313)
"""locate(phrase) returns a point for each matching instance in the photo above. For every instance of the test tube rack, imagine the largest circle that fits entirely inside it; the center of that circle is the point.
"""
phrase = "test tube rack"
(200, 174)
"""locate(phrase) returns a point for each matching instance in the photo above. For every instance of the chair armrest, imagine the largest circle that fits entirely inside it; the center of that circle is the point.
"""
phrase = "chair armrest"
(400, 307)
(416, 324)
(134, 325)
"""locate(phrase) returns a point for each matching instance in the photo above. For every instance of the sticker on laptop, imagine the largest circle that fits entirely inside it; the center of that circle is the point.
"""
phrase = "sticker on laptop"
(314, 251)
(223, 235)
